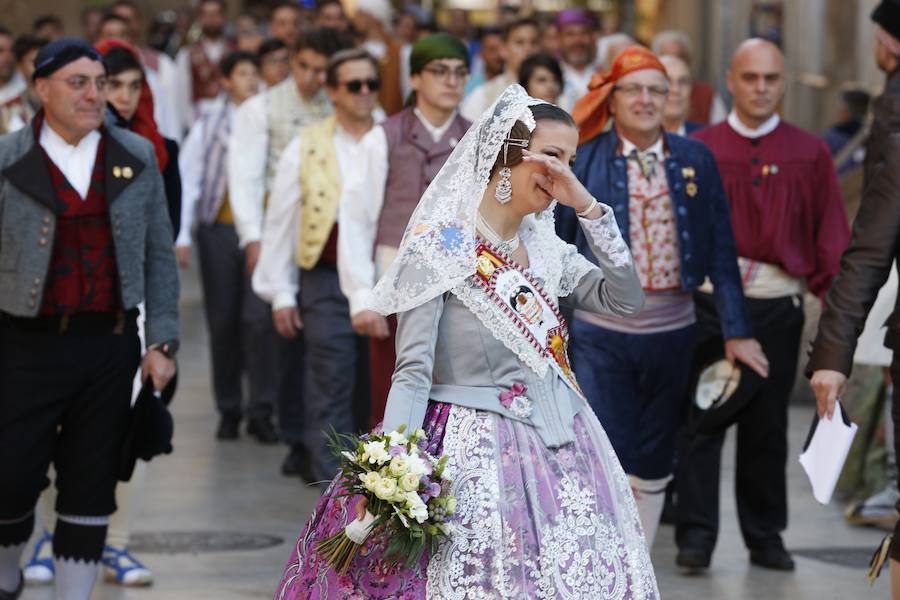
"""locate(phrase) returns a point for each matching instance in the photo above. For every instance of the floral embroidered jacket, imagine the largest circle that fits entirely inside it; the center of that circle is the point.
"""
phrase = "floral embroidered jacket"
(705, 239)
(458, 348)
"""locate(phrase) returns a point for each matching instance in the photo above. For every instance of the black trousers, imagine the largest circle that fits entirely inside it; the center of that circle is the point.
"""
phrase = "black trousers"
(66, 399)
(760, 487)
(243, 339)
(335, 365)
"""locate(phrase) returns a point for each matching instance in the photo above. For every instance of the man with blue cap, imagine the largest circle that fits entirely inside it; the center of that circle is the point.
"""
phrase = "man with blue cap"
(84, 238)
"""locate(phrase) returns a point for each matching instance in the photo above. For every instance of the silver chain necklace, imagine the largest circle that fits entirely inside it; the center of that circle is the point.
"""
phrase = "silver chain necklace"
(508, 246)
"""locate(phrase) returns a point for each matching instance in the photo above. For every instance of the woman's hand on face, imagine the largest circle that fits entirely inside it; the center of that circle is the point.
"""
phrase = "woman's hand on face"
(559, 180)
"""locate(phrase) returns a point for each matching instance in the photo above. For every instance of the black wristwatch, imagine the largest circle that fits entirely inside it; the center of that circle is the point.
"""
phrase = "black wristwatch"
(168, 349)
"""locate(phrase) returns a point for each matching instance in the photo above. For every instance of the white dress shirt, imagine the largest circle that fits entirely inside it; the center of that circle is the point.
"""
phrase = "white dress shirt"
(13, 88)
(358, 222)
(248, 155)
(214, 50)
(190, 167)
(275, 278)
(481, 98)
(656, 148)
(575, 84)
(75, 162)
(749, 132)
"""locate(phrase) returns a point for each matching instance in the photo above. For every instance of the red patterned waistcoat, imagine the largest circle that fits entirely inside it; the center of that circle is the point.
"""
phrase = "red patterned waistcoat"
(83, 275)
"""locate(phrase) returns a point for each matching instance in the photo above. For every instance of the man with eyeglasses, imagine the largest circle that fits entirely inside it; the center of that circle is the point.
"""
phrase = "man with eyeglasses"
(668, 199)
(262, 128)
(84, 238)
(790, 226)
(316, 173)
(408, 151)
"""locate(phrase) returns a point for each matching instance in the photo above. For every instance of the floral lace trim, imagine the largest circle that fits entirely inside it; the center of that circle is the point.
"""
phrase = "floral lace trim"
(605, 233)
(454, 571)
(583, 552)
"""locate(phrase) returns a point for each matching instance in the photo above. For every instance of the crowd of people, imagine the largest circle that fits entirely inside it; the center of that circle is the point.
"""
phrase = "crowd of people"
(318, 166)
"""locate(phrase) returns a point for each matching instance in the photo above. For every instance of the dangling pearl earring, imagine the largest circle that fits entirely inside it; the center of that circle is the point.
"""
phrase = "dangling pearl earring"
(503, 191)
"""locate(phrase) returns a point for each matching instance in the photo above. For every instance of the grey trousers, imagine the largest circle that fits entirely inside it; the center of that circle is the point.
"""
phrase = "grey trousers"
(241, 334)
(332, 363)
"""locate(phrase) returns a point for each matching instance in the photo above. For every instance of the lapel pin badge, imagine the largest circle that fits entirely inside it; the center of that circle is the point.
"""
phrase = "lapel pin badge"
(691, 189)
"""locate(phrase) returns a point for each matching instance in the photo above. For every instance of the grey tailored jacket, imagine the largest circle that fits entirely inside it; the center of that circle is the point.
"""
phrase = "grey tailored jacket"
(446, 353)
(142, 233)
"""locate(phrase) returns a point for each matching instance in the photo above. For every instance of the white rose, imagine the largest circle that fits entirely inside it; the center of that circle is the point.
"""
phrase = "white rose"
(451, 505)
(416, 465)
(395, 438)
(377, 452)
(385, 488)
(398, 466)
(370, 480)
(417, 509)
(409, 482)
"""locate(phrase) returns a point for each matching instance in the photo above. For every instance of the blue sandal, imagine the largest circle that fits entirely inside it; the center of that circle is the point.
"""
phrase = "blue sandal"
(119, 566)
(39, 570)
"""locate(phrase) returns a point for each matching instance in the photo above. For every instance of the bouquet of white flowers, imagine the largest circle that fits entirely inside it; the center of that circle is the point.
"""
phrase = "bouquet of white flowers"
(405, 496)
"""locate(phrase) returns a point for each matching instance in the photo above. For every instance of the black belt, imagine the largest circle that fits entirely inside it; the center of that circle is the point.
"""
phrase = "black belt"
(85, 323)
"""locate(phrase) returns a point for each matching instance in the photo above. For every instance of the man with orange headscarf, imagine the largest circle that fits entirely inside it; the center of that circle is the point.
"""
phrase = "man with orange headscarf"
(668, 200)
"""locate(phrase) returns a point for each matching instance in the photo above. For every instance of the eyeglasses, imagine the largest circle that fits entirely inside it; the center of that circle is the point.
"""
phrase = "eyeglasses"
(79, 83)
(444, 72)
(633, 90)
(355, 86)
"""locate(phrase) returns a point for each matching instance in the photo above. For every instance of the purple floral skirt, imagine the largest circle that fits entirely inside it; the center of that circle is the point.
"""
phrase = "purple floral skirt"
(531, 522)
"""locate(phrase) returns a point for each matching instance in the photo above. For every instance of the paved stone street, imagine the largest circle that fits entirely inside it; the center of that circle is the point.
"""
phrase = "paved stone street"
(235, 492)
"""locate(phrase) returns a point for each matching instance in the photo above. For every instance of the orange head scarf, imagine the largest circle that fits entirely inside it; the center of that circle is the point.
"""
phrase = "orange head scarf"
(591, 112)
(142, 122)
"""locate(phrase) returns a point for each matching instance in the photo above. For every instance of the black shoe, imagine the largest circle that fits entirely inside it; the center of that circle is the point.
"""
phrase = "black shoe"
(692, 559)
(16, 592)
(262, 429)
(228, 427)
(773, 557)
(297, 463)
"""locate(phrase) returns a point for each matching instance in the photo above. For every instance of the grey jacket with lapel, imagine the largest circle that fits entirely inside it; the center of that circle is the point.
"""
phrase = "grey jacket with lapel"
(142, 233)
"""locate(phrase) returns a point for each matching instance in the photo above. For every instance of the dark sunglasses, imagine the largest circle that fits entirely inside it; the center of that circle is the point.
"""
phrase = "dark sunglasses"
(355, 86)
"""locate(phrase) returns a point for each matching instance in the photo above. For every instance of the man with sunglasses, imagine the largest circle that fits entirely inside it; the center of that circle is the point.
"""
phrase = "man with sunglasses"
(790, 227)
(317, 171)
(668, 199)
(410, 149)
(262, 128)
(84, 237)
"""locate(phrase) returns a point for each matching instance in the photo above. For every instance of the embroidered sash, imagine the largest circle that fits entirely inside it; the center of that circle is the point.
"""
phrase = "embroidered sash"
(534, 315)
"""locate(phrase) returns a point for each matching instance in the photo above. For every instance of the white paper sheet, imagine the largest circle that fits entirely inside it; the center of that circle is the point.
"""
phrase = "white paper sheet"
(825, 451)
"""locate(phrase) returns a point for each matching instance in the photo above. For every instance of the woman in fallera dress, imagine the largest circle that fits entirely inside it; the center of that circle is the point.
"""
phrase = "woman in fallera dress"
(544, 508)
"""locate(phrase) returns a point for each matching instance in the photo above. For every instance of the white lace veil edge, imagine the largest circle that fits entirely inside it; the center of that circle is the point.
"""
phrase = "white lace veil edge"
(437, 252)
